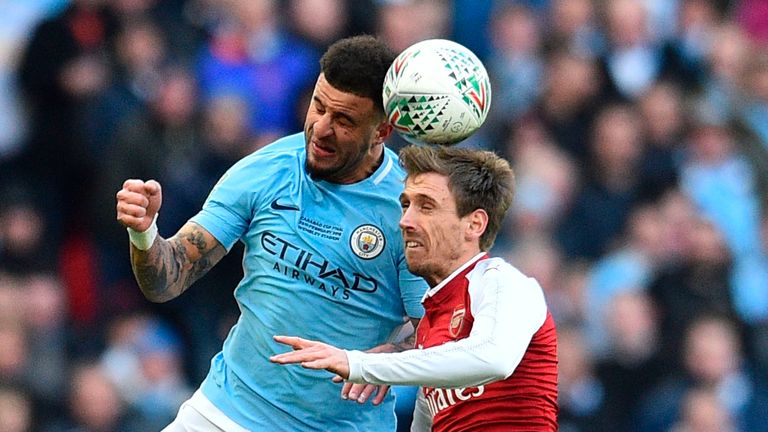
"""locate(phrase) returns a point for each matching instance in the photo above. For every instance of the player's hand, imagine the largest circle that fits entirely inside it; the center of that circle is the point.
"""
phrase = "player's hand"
(137, 203)
(317, 355)
(313, 355)
(362, 392)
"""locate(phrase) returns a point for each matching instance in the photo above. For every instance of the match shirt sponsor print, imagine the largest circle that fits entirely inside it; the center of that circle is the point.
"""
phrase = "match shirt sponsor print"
(322, 261)
(526, 400)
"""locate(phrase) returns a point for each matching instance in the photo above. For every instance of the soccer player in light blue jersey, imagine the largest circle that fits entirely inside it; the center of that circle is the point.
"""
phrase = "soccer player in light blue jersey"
(318, 214)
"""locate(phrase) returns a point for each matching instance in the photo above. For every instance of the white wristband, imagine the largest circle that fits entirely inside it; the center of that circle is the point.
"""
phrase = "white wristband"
(143, 240)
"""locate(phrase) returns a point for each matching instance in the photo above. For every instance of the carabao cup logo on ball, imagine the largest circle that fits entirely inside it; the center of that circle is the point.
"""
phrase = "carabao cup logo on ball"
(436, 92)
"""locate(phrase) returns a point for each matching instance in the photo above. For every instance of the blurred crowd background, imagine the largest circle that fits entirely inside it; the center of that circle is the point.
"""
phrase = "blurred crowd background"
(638, 130)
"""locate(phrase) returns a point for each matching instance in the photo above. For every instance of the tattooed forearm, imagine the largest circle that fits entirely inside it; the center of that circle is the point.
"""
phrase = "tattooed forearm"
(153, 269)
(171, 266)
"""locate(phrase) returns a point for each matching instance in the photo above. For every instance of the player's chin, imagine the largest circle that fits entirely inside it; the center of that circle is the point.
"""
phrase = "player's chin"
(416, 267)
(414, 257)
(321, 169)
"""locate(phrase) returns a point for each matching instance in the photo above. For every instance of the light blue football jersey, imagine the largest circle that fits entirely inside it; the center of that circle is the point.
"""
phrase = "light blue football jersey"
(322, 261)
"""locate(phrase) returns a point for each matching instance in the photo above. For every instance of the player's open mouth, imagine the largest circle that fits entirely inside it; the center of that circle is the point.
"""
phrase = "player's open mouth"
(412, 244)
(322, 151)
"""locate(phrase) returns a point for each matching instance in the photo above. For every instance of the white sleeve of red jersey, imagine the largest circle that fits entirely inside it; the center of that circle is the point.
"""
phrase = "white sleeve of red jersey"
(508, 309)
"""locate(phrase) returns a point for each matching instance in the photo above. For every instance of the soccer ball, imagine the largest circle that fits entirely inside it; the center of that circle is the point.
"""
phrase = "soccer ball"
(436, 92)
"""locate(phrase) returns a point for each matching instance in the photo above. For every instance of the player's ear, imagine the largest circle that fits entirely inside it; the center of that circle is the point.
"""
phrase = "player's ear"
(477, 224)
(383, 131)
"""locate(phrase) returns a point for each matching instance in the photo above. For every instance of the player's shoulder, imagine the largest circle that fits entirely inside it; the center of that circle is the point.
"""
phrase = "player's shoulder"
(497, 264)
(267, 169)
(496, 267)
(391, 173)
(497, 271)
(289, 143)
(278, 156)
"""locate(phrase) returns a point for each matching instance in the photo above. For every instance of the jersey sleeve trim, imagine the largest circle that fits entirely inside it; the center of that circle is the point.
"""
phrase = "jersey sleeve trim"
(221, 229)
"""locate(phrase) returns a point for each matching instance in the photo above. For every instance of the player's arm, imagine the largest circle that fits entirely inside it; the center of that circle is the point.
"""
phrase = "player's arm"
(163, 268)
(169, 267)
(404, 339)
(505, 320)
(318, 355)
(506, 316)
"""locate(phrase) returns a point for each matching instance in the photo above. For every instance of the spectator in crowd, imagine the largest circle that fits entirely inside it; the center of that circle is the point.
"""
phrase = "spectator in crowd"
(602, 206)
(697, 284)
(14, 358)
(697, 22)
(171, 124)
(16, 21)
(94, 405)
(253, 56)
(571, 92)
(42, 303)
(662, 114)
(703, 411)
(516, 62)
(752, 16)
(634, 363)
(63, 66)
(140, 55)
(547, 180)
(753, 117)
(143, 360)
(628, 268)
(573, 26)
(318, 22)
(15, 410)
(726, 62)
(581, 394)
(634, 58)
(716, 171)
(23, 233)
(712, 359)
(404, 23)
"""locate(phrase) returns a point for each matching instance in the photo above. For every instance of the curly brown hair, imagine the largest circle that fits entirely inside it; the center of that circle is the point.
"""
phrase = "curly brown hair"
(358, 65)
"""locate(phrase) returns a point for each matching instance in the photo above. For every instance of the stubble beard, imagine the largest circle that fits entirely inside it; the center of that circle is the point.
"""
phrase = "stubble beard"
(431, 269)
(341, 168)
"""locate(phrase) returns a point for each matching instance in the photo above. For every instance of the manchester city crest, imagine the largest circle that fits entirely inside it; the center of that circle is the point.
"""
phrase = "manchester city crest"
(367, 241)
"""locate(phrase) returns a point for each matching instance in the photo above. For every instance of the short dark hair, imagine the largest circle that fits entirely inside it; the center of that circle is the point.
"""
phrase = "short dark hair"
(477, 179)
(358, 65)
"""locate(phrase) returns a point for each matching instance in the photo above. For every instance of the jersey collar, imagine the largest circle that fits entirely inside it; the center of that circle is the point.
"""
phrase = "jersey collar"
(432, 291)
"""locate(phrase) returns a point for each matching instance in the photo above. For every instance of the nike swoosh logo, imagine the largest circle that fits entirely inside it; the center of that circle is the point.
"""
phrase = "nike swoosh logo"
(277, 206)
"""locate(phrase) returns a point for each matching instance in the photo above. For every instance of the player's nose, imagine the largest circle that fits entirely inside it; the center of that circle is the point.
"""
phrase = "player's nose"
(407, 219)
(323, 126)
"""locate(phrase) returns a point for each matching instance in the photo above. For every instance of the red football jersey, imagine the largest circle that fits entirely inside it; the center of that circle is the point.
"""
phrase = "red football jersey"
(525, 401)
(486, 357)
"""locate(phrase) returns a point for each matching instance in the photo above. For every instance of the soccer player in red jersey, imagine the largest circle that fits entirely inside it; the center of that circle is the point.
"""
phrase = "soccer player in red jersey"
(486, 354)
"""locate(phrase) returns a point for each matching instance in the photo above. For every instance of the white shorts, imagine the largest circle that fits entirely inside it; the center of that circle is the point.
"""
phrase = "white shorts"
(198, 414)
